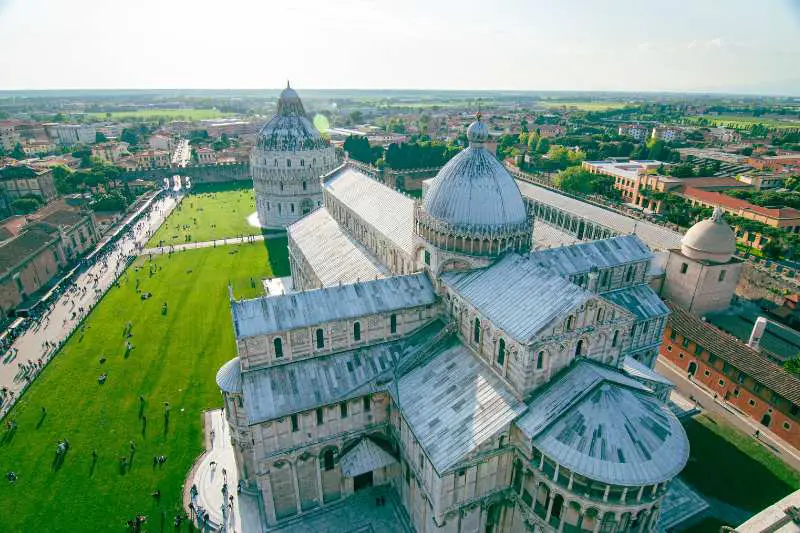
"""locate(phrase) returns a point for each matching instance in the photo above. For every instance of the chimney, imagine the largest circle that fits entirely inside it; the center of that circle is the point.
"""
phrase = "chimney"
(758, 331)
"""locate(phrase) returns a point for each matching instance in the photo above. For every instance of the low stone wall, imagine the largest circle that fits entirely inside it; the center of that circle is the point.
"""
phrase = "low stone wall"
(198, 173)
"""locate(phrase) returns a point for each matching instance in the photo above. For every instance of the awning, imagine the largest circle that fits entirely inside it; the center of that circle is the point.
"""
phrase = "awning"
(364, 457)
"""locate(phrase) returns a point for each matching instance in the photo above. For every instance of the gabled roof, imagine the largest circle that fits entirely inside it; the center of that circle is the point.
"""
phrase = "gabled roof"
(278, 391)
(640, 300)
(272, 314)
(366, 456)
(391, 213)
(605, 253)
(517, 295)
(606, 426)
(736, 353)
(453, 404)
(333, 255)
(737, 204)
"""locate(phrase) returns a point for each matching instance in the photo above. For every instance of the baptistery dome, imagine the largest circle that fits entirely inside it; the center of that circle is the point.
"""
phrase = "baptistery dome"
(474, 197)
(287, 161)
(711, 239)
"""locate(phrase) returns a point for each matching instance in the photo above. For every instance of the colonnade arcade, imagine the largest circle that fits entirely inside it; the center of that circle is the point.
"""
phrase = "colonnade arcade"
(554, 498)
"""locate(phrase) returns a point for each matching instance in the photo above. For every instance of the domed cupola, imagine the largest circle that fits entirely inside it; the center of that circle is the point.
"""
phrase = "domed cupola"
(289, 129)
(286, 163)
(711, 239)
(473, 206)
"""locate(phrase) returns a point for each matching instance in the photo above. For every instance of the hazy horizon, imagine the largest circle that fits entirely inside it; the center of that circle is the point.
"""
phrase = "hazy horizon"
(714, 47)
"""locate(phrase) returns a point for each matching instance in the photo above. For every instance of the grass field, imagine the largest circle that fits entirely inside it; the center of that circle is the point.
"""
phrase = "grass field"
(742, 121)
(156, 114)
(174, 359)
(728, 465)
(584, 105)
(213, 211)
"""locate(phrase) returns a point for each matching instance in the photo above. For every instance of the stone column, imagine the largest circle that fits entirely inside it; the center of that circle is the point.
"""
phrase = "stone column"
(320, 494)
(296, 488)
(549, 507)
(605, 493)
(639, 495)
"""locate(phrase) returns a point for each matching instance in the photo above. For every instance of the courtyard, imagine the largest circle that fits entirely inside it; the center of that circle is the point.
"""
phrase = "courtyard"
(211, 211)
(150, 401)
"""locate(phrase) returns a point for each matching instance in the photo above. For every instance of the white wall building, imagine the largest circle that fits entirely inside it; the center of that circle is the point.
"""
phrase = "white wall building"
(71, 134)
(429, 350)
(287, 161)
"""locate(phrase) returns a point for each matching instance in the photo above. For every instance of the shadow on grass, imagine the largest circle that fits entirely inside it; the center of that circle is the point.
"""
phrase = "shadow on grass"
(721, 470)
(276, 243)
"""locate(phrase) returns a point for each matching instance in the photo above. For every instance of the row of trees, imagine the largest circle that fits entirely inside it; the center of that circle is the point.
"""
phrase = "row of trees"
(576, 180)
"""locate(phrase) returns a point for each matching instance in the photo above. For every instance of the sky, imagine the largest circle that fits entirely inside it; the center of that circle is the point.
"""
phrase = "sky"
(749, 46)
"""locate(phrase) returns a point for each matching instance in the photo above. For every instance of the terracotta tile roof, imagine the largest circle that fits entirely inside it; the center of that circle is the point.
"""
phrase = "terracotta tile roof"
(737, 204)
(736, 353)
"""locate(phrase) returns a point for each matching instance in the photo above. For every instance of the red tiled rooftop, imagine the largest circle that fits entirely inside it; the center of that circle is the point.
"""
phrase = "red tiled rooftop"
(737, 204)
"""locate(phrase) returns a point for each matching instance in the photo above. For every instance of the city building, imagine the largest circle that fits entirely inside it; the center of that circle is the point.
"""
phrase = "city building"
(70, 134)
(636, 131)
(722, 135)
(37, 248)
(161, 142)
(737, 373)
(550, 130)
(33, 148)
(111, 151)
(786, 218)
(630, 178)
(776, 162)
(287, 161)
(9, 137)
(19, 181)
(152, 158)
(666, 133)
(763, 180)
(428, 349)
(229, 126)
(702, 274)
(206, 156)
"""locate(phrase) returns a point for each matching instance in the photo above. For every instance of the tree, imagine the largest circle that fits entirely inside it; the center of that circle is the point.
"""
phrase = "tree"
(28, 204)
(100, 137)
(773, 249)
(543, 145)
(533, 141)
(793, 365)
(359, 149)
(130, 137)
(577, 180)
(18, 153)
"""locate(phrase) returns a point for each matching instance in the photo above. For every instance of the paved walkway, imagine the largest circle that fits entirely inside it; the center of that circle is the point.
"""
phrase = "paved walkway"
(33, 349)
(705, 399)
(209, 244)
(210, 474)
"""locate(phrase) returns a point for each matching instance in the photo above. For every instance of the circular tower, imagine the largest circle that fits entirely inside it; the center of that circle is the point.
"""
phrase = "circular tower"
(472, 211)
(287, 161)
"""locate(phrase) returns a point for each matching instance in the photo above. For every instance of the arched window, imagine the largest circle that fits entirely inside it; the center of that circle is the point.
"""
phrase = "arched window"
(357, 331)
(302, 162)
(304, 186)
(501, 352)
(278, 344)
(320, 338)
(604, 278)
(292, 206)
(288, 162)
(280, 184)
(570, 322)
(579, 348)
(313, 161)
(629, 275)
(279, 209)
(615, 339)
(600, 314)
(540, 360)
(393, 324)
(476, 335)
(267, 206)
(327, 459)
(276, 162)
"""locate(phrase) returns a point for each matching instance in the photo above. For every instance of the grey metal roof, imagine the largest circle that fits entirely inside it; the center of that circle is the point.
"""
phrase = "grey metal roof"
(606, 426)
(454, 403)
(271, 314)
(517, 294)
(229, 376)
(366, 456)
(637, 370)
(289, 129)
(546, 235)
(640, 300)
(474, 192)
(657, 237)
(333, 255)
(278, 391)
(604, 253)
(388, 211)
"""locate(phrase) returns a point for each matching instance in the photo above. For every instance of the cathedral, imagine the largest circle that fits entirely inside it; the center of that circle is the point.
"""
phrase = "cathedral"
(426, 347)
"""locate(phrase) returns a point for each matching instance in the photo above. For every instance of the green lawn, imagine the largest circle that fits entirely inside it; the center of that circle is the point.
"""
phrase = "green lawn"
(174, 359)
(165, 114)
(211, 211)
(744, 121)
(584, 105)
(727, 464)
(707, 525)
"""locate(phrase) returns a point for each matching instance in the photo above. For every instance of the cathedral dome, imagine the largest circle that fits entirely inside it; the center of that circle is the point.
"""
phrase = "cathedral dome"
(474, 194)
(289, 129)
(711, 239)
